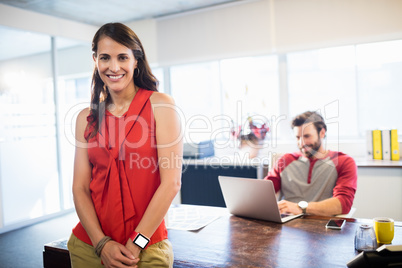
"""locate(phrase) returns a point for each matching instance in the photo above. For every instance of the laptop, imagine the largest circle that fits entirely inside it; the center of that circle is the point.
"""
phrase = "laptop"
(252, 198)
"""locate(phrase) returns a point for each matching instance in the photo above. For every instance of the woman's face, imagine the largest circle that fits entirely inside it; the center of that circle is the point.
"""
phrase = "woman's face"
(116, 65)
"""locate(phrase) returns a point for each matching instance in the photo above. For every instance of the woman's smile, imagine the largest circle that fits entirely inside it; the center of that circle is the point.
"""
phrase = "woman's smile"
(115, 78)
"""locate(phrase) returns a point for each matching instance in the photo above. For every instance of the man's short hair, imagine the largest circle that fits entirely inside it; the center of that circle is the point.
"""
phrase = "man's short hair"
(310, 117)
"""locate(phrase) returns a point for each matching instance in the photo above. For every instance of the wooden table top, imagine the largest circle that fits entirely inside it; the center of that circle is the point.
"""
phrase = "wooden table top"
(232, 241)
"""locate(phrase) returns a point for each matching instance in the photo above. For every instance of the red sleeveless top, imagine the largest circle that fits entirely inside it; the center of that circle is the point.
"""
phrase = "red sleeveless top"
(125, 171)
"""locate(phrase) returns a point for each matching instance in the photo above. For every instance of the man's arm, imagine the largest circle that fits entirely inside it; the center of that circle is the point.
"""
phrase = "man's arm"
(327, 207)
(275, 171)
(346, 183)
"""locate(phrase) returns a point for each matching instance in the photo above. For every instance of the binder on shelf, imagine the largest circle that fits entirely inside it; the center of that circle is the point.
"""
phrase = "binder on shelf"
(395, 156)
(377, 145)
(386, 144)
(369, 144)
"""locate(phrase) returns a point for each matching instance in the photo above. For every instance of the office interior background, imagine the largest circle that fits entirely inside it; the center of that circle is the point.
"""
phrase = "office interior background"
(275, 58)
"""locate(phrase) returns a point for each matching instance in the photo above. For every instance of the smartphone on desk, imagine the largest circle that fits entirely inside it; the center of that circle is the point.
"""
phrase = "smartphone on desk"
(335, 224)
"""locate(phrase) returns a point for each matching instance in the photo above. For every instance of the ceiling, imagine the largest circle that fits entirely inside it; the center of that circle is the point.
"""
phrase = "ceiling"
(93, 12)
(99, 12)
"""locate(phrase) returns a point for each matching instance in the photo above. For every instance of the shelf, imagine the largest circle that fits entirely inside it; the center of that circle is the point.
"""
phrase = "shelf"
(378, 163)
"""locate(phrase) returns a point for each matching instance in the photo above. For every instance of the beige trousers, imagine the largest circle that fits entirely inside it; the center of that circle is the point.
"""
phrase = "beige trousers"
(83, 255)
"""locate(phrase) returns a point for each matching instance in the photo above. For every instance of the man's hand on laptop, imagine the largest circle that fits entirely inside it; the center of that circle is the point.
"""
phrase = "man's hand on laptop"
(286, 207)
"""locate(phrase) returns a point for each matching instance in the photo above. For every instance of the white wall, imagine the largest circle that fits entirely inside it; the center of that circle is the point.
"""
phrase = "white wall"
(146, 31)
(310, 24)
(237, 30)
(271, 26)
(32, 21)
(379, 193)
(74, 60)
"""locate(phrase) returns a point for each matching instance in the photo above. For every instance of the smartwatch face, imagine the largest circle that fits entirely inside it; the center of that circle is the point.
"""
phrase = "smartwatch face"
(303, 204)
(141, 241)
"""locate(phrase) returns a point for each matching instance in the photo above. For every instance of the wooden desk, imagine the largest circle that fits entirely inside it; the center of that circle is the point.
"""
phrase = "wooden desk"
(55, 255)
(232, 241)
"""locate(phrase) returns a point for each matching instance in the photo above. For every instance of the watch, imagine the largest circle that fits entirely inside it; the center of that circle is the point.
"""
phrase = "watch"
(303, 205)
(140, 240)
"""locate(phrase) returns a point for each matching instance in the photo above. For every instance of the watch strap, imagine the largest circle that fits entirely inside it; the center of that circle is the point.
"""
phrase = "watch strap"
(133, 235)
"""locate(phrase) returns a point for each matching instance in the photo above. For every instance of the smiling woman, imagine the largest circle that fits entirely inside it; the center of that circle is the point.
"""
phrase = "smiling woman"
(122, 203)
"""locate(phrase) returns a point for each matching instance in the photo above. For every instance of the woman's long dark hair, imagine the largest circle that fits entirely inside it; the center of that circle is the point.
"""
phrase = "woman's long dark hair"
(143, 77)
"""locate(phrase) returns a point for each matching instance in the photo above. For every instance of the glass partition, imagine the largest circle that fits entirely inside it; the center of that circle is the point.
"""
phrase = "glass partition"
(28, 157)
(74, 73)
(37, 121)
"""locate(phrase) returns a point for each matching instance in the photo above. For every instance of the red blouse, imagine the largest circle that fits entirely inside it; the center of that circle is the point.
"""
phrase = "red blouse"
(125, 171)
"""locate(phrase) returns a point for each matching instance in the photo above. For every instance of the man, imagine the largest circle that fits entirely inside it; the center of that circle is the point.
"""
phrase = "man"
(315, 180)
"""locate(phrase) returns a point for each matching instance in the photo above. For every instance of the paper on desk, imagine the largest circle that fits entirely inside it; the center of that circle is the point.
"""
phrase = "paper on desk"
(191, 218)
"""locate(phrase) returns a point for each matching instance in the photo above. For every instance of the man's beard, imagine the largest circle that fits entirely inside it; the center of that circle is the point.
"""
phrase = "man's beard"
(313, 149)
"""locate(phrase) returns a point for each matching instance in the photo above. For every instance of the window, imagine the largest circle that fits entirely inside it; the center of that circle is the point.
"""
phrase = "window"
(196, 89)
(74, 96)
(214, 96)
(324, 80)
(36, 150)
(28, 157)
(158, 72)
(75, 66)
(379, 83)
(250, 88)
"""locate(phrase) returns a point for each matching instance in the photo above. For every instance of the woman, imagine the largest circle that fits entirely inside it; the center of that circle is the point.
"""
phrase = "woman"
(128, 160)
